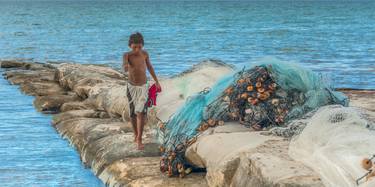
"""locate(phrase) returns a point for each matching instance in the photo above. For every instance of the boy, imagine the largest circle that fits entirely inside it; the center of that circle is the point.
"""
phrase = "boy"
(135, 62)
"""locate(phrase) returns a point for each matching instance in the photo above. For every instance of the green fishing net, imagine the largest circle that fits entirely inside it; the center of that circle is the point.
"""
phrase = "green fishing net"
(264, 95)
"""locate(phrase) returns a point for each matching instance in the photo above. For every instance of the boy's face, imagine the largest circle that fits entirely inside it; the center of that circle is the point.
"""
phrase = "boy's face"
(136, 47)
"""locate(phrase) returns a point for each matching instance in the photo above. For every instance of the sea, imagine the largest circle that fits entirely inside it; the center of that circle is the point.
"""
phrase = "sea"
(333, 38)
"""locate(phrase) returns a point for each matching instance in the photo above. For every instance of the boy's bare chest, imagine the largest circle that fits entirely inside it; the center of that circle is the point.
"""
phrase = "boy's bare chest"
(137, 61)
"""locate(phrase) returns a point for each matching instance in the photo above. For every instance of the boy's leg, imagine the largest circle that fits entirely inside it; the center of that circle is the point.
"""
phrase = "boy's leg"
(134, 125)
(140, 125)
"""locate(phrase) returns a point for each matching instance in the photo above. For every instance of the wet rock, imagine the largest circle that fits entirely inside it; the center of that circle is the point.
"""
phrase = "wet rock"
(52, 103)
(42, 88)
(11, 64)
(21, 76)
(79, 105)
(71, 114)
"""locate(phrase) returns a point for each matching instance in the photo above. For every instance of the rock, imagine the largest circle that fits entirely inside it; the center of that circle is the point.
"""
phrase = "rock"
(248, 159)
(11, 64)
(52, 103)
(144, 171)
(76, 114)
(69, 75)
(79, 105)
(230, 144)
(270, 165)
(42, 88)
(77, 129)
(99, 154)
(20, 76)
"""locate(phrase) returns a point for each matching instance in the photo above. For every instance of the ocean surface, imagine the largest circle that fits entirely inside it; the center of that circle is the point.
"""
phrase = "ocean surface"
(32, 153)
(334, 38)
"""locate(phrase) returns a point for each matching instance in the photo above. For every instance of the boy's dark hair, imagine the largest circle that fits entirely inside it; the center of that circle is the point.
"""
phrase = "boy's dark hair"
(136, 38)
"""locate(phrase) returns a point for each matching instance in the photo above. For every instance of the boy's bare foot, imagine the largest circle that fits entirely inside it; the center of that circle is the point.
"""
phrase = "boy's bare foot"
(141, 146)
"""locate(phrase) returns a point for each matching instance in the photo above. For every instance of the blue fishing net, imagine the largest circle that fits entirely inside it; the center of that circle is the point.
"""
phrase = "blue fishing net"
(262, 95)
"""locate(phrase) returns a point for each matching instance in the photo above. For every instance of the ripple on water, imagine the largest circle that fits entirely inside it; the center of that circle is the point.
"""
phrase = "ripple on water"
(32, 152)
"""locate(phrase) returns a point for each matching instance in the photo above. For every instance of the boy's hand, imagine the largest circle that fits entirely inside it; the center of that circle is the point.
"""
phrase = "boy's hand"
(158, 85)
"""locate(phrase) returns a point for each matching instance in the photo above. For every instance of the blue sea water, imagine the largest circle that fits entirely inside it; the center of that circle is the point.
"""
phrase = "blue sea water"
(32, 153)
(335, 38)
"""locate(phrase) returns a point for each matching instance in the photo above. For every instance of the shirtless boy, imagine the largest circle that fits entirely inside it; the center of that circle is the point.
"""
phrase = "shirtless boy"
(136, 62)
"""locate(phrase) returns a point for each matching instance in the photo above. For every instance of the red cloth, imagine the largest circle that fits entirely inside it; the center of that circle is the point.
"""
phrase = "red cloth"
(152, 94)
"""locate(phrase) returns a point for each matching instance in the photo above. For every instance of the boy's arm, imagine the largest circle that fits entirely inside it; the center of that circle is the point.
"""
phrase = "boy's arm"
(151, 70)
(125, 62)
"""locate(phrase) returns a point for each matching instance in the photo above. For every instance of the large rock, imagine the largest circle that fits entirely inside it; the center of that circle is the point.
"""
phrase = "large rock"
(71, 114)
(82, 78)
(21, 76)
(42, 88)
(52, 103)
(144, 171)
(235, 158)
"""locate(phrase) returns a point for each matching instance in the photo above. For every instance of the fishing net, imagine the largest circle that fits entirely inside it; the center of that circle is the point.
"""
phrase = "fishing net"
(265, 95)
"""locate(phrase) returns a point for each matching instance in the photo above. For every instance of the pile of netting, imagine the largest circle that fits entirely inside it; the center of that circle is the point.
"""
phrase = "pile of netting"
(266, 95)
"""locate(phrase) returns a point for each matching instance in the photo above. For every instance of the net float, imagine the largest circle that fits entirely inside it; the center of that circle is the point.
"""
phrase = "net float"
(274, 85)
(241, 81)
(226, 98)
(275, 102)
(229, 90)
(249, 99)
(211, 122)
(162, 149)
(244, 96)
(221, 123)
(179, 147)
(250, 88)
(204, 127)
(261, 90)
(188, 170)
(366, 164)
(258, 84)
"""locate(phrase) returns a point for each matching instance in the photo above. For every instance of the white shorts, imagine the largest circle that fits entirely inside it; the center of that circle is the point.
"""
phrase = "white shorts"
(137, 98)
